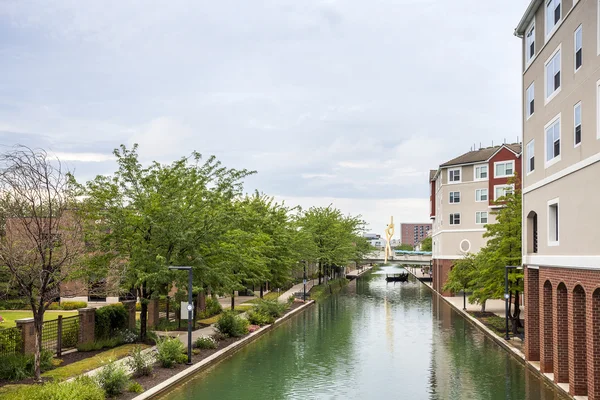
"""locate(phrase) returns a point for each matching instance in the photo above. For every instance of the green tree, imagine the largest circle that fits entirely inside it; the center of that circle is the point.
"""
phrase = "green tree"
(461, 276)
(427, 244)
(405, 247)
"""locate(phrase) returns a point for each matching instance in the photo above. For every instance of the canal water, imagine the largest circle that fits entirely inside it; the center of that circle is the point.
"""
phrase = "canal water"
(375, 340)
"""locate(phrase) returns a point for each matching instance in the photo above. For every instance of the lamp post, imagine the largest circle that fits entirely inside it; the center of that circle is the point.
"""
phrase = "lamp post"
(507, 297)
(189, 308)
(304, 262)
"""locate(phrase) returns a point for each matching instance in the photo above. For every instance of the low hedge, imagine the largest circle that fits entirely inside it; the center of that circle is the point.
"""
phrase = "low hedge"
(68, 305)
(83, 388)
(15, 304)
(109, 319)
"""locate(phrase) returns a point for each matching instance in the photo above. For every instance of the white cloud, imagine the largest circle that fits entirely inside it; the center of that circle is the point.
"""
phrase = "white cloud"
(84, 157)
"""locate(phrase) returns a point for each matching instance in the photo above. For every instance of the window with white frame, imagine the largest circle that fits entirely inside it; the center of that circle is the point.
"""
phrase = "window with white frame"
(553, 15)
(454, 197)
(529, 105)
(481, 195)
(502, 190)
(504, 169)
(553, 222)
(530, 42)
(553, 140)
(578, 47)
(455, 219)
(454, 175)
(552, 68)
(531, 156)
(481, 217)
(577, 123)
(481, 172)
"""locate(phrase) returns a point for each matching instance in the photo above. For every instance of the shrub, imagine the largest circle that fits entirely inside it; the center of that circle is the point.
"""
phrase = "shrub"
(205, 342)
(109, 319)
(126, 336)
(140, 363)
(169, 351)
(272, 308)
(135, 387)
(112, 378)
(15, 367)
(82, 388)
(260, 319)
(54, 306)
(231, 324)
(213, 307)
(73, 305)
(15, 304)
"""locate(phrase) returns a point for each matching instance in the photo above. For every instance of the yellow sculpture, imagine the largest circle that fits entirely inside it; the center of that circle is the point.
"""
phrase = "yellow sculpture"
(389, 233)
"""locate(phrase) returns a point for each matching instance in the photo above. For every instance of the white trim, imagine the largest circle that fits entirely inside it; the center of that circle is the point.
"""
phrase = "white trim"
(453, 214)
(555, 201)
(504, 146)
(487, 216)
(460, 175)
(564, 261)
(597, 99)
(512, 186)
(450, 197)
(562, 173)
(487, 196)
(458, 230)
(575, 145)
(533, 267)
(548, 163)
(548, 98)
(549, 35)
(475, 179)
(504, 162)
(528, 62)
(460, 246)
(598, 28)
(448, 257)
(579, 28)
(527, 101)
(527, 157)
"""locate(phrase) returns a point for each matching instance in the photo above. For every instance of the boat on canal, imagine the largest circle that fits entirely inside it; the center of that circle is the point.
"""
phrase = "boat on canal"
(402, 277)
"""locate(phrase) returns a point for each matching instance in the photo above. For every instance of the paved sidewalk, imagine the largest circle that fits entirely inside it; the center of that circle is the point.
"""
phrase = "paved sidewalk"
(296, 288)
(226, 301)
(495, 306)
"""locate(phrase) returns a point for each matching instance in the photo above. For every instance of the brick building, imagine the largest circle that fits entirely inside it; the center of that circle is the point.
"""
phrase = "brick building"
(463, 191)
(561, 128)
(413, 233)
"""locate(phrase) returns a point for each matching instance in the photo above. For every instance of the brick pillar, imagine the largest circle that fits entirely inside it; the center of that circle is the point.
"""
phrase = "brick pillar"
(561, 335)
(593, 350)
(532, 313)
(547, 329)
(577, 344)
(27, 334)
(130, 307)
(87, 325)
(152, 313)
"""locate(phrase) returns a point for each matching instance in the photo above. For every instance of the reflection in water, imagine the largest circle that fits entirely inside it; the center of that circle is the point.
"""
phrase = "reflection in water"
(373, 341)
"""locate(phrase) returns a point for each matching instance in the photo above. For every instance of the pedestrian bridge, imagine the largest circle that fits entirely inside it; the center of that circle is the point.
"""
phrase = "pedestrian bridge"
(401, 257)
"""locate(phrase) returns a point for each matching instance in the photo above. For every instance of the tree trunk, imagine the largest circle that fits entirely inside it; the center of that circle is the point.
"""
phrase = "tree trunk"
(232, 299)
(483, 306)
(261, 290)
(515, 318)
(144, 313)
(319, 272)
(38, 323)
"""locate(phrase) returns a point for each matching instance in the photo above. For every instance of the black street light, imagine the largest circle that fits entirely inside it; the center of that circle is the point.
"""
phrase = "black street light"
(507, 297)
(190, 307)
(304, 298)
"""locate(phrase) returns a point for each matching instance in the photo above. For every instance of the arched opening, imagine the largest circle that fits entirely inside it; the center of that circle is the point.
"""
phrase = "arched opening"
(532, 232)
(546, 345)
(561, 327)
(594, 362)
(578, 358)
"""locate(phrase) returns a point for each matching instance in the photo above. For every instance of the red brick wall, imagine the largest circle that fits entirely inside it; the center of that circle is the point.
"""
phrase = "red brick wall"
(432, 199)
(503, 155)
(572, 299)
(441, 269)
(532, 314)
(407, 233)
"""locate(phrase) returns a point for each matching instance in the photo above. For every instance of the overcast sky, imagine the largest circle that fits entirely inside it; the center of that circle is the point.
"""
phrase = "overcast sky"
(331, 101)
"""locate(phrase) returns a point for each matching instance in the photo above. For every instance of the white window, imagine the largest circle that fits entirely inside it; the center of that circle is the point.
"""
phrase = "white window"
(455, 219)
(578, 48)
(481, 217)
(553, 223)
(552, 69)
(504, 169)
(454, 198)
(577, 123)
(502, 190)
(481, 172)
(553, 141)
(553, 15)
(481, 195)
(454, 175)
(531, 156)
(529, 105)
(530, 43)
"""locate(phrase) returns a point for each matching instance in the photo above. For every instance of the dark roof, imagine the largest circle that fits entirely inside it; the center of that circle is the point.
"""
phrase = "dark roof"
(432, 173)
(481, 155)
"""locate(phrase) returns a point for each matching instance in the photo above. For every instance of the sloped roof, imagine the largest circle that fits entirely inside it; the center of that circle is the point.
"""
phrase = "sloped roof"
(432, 173)
(481, 155)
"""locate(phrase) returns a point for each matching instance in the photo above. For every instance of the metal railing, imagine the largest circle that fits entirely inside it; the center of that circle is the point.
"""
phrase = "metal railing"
(11, 341)
(61, 334)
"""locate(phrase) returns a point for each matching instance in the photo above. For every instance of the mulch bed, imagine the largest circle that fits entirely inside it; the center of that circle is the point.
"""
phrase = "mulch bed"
(160, 375)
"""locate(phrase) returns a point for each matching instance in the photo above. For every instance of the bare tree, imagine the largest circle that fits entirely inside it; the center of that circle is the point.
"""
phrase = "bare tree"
(42, 238)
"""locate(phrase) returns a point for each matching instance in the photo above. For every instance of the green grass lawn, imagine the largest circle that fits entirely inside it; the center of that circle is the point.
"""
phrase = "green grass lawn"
(268, 296)
(10, 316)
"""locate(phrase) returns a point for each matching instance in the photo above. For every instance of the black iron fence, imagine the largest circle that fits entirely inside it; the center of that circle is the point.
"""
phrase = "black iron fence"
(11, 341)
(60, 334)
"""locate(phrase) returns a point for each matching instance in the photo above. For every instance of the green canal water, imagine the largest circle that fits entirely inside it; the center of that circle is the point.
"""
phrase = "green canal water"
(375, 340)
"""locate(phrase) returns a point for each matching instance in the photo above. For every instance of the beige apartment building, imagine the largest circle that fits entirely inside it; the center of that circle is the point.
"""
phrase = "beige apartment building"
(463, 192)
(561, 216)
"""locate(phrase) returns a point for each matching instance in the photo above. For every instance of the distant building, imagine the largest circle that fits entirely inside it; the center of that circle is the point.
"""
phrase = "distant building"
(413, 233)
(463, 191)
(375, 240)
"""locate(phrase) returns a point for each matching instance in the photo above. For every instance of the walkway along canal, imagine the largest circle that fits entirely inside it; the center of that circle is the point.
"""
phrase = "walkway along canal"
(375, 340)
